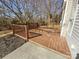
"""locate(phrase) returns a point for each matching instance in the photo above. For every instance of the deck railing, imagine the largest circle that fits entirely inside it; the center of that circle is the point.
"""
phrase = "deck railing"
(23, 30)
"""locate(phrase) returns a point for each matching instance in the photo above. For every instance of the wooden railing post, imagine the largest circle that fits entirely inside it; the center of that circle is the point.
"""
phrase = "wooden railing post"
(13, 28)
(26, 32)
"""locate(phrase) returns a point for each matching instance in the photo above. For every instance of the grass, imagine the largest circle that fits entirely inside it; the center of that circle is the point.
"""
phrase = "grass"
(8, 44)
(55, 26)
(5, 32)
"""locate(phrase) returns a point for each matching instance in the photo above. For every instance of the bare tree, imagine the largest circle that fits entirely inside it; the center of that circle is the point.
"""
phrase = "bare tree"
(25, 10)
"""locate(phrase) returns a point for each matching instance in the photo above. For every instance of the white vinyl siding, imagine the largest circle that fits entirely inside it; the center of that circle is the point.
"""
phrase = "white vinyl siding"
(75, 29)
(73, 39)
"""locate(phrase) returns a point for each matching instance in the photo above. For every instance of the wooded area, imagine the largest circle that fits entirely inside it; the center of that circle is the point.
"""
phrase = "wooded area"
(30, 11)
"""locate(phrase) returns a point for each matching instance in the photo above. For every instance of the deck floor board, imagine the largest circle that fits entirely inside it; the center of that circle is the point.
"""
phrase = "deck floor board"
(52, 41)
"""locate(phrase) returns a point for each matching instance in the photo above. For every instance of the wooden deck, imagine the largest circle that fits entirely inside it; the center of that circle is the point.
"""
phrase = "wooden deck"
(49, 38)
(52, 40)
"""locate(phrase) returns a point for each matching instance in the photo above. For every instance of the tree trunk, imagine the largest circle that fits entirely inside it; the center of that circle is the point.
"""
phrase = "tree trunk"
(49, 21)
(49, 8)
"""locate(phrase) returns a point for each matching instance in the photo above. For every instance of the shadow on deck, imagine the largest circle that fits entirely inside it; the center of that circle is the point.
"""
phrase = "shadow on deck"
(52, 40)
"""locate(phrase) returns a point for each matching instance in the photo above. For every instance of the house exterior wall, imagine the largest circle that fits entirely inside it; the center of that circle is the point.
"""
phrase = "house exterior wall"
(67, 25)
(66, 18)
(73, 38)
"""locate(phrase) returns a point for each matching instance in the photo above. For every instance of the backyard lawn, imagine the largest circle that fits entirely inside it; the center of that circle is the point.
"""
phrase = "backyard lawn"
(5, 32)
(8, 44)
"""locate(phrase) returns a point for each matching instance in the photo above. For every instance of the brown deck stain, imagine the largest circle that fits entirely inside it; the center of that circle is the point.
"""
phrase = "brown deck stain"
(49, 38)
(53, 41)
